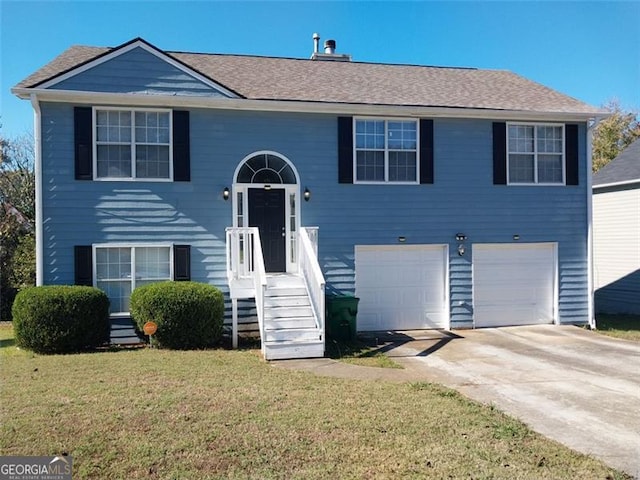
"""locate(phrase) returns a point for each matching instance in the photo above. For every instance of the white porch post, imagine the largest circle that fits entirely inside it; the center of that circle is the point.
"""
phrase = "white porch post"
(234, 323)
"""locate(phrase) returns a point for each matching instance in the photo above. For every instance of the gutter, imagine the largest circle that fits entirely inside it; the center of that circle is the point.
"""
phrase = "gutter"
(295, 106)
(37, 139)
(616, 184)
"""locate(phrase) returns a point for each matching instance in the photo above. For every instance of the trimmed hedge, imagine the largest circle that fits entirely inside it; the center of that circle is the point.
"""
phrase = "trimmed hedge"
(189, 315)
(61, 318)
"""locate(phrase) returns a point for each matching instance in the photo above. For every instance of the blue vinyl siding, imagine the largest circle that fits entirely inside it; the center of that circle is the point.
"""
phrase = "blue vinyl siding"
(137, 71)
(462, 199)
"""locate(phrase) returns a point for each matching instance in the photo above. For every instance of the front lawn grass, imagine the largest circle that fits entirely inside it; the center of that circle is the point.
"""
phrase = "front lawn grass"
(619, 326)
(163, 414)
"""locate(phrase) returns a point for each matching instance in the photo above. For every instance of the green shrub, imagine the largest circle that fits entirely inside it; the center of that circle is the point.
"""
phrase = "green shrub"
(188, 314)
(61, 319)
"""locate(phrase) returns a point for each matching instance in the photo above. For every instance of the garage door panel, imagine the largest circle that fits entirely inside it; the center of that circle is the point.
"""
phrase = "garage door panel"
(513, 284)
(401, 288)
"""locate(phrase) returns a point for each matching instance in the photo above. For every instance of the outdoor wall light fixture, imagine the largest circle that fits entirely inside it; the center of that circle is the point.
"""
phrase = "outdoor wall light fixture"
(461, 249)
(225, 193)
(516, 237)
(402, 239)
(307, 194)
(460, 237)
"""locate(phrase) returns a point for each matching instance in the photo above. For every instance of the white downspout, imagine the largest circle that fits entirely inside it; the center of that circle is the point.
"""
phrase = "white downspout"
(590, 128)
(37, 138)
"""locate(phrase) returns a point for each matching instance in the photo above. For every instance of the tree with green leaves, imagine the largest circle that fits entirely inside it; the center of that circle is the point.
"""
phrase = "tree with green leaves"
(613, 134)
(17, 219)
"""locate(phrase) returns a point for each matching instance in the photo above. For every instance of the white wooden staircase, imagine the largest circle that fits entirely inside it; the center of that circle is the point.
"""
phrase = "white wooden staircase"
(290, 307)
(290, 326)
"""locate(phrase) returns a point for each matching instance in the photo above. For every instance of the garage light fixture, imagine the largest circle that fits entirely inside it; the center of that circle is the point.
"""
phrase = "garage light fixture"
(516, 237)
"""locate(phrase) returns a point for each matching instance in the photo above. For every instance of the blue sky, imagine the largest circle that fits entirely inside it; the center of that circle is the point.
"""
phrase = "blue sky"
(588, 50)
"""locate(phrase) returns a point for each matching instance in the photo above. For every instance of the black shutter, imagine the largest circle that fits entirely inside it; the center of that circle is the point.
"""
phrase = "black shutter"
(571, 154)
(181, 147)
(345, 150)
(499, 153)
(83, 139)
(426, 151)
(83, 265)
(181, 262)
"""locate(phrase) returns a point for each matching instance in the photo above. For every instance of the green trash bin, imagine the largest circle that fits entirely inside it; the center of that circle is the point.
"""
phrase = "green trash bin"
(341, 317)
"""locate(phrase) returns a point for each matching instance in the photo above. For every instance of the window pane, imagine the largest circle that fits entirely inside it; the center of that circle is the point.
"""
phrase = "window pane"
(114, 161)
(521, 168)
(152, 263)
(119, 294)
(401, 135)
(550, 169)
(113, 272)
(402, 167)
(152, 161)
(113, 126)
(152, 127)
(370, 134)
(520, 138)
(549, 139)
(370, 166)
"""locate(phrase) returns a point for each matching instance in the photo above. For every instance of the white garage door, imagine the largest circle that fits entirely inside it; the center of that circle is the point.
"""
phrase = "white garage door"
(514, 284)
(401, 287)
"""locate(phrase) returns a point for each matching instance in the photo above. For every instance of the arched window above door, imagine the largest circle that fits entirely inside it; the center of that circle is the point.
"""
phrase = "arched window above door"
(266, 168)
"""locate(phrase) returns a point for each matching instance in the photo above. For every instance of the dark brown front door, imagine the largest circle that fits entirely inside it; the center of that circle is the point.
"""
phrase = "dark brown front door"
(266, 211)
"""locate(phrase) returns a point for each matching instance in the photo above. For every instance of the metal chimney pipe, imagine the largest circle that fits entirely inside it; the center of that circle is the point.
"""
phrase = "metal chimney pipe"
(316, 43)
(330, 47)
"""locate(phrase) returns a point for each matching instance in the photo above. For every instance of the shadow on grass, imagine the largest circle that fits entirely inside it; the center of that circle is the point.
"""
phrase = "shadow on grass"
(618, 322)
(626, 327)
(9, 342)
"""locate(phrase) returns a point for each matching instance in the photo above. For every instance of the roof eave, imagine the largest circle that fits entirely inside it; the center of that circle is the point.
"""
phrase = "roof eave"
(617, 184)
(134, 99)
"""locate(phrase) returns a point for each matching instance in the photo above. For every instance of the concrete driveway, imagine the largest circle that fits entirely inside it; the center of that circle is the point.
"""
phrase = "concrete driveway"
(574, 386)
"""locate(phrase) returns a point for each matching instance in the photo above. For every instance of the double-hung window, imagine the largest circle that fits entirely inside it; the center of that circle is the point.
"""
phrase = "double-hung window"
(535, 154)
(120, 269)
(386, 151)
(133, 144)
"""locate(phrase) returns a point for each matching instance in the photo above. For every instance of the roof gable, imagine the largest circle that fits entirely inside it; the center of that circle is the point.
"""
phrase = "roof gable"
(135, 67)
(625, 168)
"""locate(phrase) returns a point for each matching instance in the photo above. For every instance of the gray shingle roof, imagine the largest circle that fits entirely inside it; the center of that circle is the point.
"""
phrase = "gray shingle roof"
(289, 79)
(624, 168)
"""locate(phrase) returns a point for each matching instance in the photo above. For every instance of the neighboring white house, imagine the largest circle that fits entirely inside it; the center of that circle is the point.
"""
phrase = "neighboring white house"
(616, 233)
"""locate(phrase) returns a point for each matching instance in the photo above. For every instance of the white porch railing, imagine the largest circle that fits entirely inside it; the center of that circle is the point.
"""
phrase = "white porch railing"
(245, 262)
(312, 274)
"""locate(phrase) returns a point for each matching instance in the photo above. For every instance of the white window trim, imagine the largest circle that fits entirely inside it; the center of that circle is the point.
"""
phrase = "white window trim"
(386, 181)
(535, 155)
(133, 177)
(97, 246)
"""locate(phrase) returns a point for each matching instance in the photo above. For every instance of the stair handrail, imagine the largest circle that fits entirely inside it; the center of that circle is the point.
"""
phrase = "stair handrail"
(260, 283)
(245, 261)
(313, 278)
